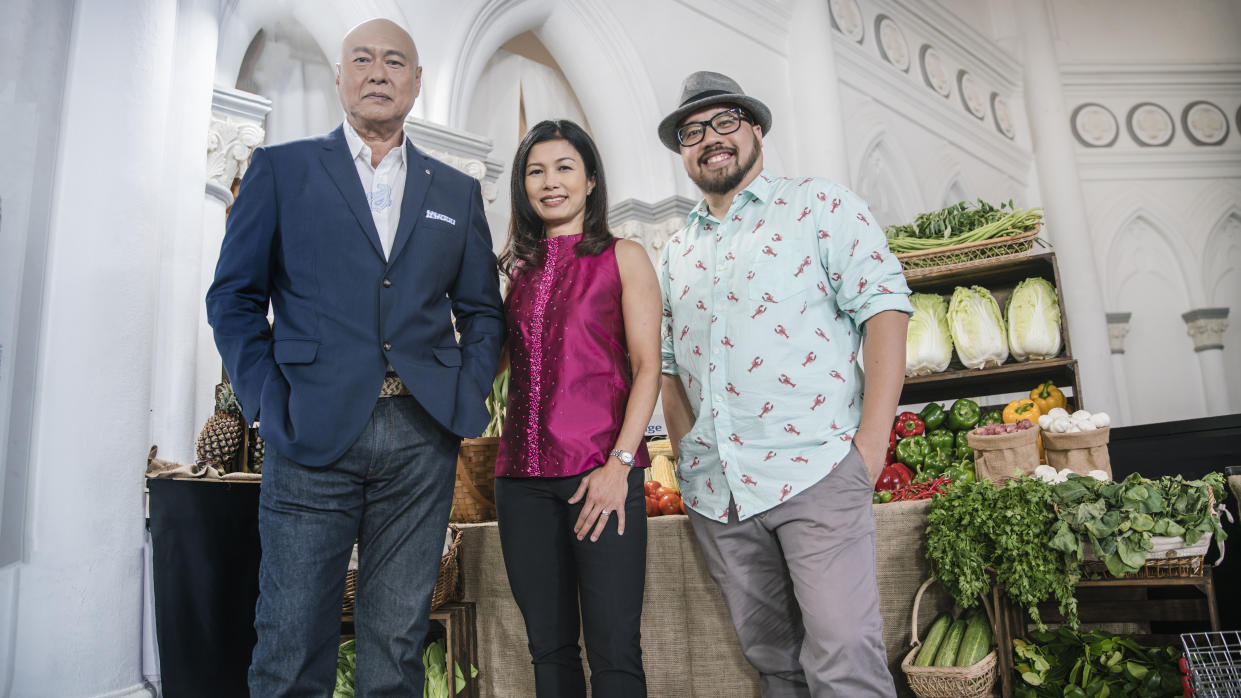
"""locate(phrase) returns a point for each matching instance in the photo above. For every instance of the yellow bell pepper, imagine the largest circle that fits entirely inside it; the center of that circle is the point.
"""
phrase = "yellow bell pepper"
(1048, 396)
(1017, 410)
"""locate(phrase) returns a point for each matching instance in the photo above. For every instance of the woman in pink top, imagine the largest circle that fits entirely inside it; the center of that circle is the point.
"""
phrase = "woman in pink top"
(583, 311)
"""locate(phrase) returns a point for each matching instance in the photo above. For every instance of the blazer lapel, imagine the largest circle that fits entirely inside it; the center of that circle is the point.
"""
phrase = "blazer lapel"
(335, 158)
(417, 182)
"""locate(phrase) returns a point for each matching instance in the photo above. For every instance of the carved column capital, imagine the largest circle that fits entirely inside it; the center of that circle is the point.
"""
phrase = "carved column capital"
(236, 129)
(460, 149)
(1117, 330)
(1206, 326)
(651, 225)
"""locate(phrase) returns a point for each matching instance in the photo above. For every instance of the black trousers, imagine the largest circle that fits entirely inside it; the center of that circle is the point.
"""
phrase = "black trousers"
(549, 570)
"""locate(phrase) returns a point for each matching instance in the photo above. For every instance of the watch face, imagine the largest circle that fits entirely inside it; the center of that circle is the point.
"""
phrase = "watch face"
(625, 457)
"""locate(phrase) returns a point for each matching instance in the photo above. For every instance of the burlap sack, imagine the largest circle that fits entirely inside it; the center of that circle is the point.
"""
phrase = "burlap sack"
(1080, 451)
(1005, 457)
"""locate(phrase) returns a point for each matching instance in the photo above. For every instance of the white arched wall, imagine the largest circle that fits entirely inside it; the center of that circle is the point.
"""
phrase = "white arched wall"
(883, 178)
(1221, 276)
(1165, 382)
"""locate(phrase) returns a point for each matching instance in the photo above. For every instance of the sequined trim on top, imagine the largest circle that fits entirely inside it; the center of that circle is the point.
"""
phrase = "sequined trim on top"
(538, 317)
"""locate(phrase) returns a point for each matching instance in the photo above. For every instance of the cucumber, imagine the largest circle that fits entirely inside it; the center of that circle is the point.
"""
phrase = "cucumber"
(976, 642)
(947, 652)
(934, 637)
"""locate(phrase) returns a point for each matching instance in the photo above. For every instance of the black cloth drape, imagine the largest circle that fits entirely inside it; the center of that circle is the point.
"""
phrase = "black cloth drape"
(205, 541)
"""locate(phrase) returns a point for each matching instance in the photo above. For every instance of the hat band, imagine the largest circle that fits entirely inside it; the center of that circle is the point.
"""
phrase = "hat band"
(708, 93)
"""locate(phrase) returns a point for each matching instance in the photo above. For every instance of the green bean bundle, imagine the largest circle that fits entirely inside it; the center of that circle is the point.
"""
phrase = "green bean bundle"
(961, 223)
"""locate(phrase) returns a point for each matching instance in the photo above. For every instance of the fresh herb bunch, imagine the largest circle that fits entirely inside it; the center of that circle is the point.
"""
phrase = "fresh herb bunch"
(975, 527)
(1066, 664)
(960, 223)
(1030, 570)
(958, 540)
(1118, 519)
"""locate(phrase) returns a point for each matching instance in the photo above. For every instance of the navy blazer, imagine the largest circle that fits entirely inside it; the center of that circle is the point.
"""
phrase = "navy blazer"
(301, 235)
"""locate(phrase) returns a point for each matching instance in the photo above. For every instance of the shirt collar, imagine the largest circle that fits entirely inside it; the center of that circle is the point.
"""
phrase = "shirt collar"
(757, 190)
(357, 145)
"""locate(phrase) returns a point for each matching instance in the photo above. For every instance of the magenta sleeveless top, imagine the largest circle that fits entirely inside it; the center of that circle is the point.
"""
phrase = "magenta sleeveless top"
(570, 365)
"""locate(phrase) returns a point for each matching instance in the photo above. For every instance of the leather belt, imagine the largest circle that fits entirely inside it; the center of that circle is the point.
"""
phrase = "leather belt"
(393, 386)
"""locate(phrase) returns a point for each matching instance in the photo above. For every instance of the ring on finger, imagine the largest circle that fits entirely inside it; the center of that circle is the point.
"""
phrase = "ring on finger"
(605, 512)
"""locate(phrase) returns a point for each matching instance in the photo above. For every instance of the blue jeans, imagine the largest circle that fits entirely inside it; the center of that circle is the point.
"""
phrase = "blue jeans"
(391, 492)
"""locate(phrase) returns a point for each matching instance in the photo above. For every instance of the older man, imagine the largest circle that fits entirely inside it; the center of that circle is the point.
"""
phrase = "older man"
(366, 249)
(768, 290)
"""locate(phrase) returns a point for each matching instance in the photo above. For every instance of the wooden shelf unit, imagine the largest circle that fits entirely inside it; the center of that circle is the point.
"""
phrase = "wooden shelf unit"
(998, 277)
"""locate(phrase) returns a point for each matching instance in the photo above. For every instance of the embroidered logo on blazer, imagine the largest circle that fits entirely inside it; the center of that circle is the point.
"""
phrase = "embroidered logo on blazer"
(436, 215)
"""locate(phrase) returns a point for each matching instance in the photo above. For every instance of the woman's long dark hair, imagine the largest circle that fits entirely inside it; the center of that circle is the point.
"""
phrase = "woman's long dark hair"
(525, 228)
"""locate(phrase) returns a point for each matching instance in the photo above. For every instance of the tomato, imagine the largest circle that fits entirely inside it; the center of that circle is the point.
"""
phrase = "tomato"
(652, 486)
(670, 503)
(652, 507)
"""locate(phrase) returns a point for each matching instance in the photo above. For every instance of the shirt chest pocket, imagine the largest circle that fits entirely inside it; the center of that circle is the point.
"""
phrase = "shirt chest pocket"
(776, 279)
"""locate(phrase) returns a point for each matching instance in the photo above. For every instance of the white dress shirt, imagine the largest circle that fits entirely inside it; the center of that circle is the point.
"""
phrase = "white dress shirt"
(384, 185)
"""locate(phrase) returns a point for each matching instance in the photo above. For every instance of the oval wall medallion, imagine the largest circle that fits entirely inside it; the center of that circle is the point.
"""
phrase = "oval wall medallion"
(933, 71)
(847, 18)
(1094, 125)
(1204, 123)
(892, 44)
(1003, 118)
(1150, 125)
(971, 95)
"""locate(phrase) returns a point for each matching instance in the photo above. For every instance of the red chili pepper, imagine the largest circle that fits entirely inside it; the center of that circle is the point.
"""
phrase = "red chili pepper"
(908, 424)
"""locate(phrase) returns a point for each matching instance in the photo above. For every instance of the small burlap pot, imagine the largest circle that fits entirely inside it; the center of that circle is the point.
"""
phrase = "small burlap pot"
(1005, 457)
(1080, 451)
(474, 497)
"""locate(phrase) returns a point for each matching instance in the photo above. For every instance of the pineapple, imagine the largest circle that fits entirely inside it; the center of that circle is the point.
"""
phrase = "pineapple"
(256, 451)
(219, 442)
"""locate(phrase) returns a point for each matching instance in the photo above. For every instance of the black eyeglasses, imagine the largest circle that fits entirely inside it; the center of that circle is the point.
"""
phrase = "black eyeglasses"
(722, 123)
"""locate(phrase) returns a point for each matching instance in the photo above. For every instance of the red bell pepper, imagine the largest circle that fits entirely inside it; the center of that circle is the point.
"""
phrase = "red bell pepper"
(908, 424)
(894, 477)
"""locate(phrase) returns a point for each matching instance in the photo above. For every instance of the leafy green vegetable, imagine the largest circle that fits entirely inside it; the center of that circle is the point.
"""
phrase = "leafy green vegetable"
(928, 345)
(1094, 664)
(435, 666)
(1033, 317)
(1031, 570)
(976, 327)
(346, 668)
(958, 541)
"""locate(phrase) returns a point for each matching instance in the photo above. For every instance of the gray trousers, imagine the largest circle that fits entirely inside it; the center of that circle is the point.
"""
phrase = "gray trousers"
(799, 582)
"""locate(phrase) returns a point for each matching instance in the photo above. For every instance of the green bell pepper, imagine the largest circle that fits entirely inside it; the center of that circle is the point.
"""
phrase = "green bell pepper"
(933, 416)
(965, 466)
(911, 450)
(941, 441)
(964, 450)
(991, 417)
(936, 463)
(957, 473)
(964, 414)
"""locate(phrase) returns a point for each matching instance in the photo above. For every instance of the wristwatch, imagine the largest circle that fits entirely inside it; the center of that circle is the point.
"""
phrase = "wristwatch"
(625, 457)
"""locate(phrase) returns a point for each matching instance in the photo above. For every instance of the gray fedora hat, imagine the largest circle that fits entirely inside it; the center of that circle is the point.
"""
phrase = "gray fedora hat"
(703, 89)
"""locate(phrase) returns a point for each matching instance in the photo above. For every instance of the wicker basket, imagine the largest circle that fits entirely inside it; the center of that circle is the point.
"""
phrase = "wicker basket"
(474, 497)
(447, 584)
(968, 254)
(1171, 557)
(949, 682)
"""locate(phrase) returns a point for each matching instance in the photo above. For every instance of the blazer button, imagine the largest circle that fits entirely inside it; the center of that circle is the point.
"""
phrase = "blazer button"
(387, 346)
(387, 283)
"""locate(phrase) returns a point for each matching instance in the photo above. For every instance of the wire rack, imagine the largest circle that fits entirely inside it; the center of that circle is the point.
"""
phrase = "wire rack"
(1213, 662)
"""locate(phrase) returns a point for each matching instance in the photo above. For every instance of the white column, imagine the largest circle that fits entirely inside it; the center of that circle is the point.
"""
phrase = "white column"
(175, 400)
(816, 124)
(1206, 326)
(1117, 330)
(79, 596)
(235, 130)
(1067, 224)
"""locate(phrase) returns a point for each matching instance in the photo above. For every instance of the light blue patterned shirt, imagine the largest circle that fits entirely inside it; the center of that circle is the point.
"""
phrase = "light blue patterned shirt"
(762, 312)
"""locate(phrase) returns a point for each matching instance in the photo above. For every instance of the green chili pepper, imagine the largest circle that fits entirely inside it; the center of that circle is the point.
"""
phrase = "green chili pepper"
(941, 441)
(991, 417)
(933, 415)
(963, 415)
(912, 450)
(964, 450)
